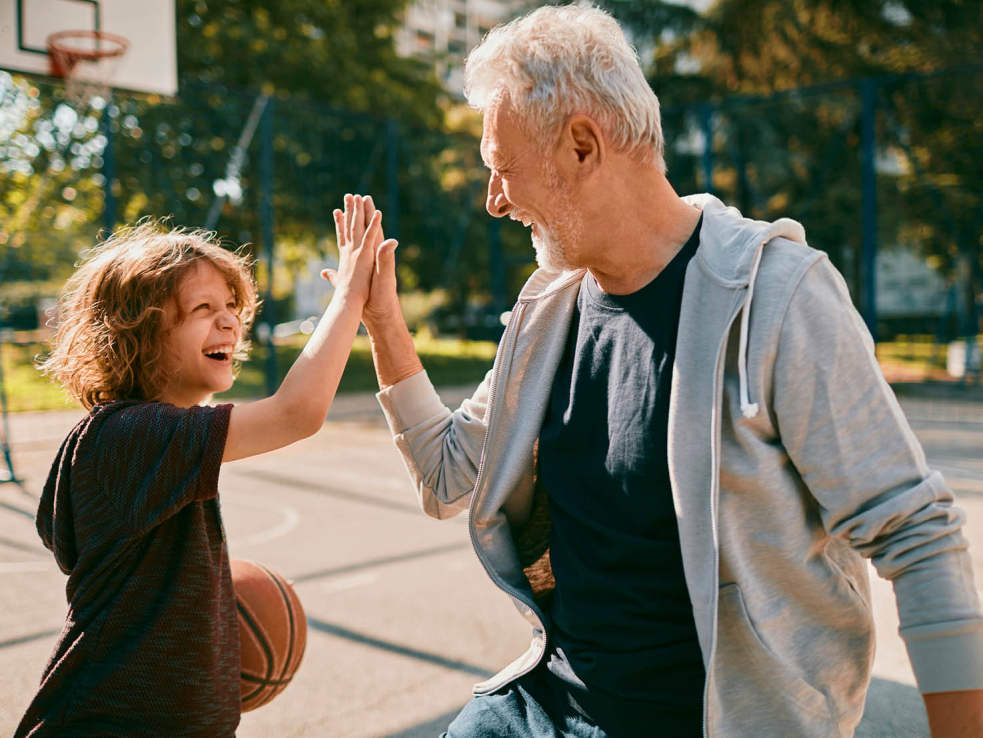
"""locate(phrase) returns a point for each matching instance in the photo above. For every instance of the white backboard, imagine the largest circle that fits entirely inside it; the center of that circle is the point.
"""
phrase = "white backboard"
(150, 64)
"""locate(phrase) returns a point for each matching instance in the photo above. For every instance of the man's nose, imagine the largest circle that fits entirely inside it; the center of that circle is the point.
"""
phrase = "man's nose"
(496, 204)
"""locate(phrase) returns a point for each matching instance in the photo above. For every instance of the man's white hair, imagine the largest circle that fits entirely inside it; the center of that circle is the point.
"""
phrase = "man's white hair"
(559, 61)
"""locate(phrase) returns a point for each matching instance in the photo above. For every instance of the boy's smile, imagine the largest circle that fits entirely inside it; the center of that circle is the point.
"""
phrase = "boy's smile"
(202, 332)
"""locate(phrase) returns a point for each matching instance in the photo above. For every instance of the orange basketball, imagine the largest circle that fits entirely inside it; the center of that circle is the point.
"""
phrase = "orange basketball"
(272, 631)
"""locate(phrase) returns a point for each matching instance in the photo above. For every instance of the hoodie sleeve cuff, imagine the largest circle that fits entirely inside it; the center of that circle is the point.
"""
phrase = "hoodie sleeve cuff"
(410, 402)
(946, 657)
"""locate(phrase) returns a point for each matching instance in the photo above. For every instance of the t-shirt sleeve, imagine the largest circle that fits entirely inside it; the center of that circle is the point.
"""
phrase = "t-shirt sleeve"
(152, 459)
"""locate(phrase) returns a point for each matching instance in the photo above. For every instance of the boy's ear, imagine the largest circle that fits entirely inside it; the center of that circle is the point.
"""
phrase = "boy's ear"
(584, 141)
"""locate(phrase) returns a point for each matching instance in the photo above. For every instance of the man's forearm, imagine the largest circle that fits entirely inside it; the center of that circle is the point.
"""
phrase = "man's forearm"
(393, 350)
(955, 714)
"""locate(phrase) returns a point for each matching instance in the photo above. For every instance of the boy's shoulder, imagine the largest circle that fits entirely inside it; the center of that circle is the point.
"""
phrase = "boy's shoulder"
(132, 422)
(134, 433)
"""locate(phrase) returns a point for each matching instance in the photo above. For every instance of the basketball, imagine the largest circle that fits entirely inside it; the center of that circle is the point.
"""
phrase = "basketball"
(272, 631)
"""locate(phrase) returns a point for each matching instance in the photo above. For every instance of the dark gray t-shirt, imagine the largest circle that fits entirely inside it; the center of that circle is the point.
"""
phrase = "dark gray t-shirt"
(150, 646)
(623, 635)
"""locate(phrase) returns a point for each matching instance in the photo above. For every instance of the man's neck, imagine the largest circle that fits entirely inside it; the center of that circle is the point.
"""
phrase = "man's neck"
(637, 232)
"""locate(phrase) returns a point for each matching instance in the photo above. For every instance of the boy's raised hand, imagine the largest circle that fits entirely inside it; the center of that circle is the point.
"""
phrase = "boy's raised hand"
(359, 234)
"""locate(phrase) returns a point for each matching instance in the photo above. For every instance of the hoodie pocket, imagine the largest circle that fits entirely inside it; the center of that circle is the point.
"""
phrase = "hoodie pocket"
(753, 679)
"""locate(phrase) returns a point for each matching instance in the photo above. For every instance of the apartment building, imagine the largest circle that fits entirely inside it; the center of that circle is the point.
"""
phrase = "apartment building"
(444, 31)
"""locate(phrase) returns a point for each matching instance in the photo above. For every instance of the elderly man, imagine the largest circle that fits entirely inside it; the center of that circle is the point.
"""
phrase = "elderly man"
(685, 449)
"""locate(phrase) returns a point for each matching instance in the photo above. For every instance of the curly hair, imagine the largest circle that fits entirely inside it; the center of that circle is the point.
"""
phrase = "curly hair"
(108, 345)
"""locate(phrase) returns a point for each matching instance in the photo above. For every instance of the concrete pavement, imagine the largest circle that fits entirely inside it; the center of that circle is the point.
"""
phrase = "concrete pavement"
(402, 617)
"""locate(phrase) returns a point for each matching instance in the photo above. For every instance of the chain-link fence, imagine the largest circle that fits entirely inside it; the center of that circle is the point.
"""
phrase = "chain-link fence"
(882, 172)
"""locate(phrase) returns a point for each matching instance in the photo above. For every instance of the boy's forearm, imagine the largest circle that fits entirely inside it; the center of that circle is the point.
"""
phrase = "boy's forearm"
(393, 351)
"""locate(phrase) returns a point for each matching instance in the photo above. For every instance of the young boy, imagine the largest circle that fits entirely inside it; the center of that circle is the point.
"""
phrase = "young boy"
(151, 325)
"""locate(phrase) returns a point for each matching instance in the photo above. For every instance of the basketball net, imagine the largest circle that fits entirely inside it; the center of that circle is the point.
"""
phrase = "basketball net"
(87, 61)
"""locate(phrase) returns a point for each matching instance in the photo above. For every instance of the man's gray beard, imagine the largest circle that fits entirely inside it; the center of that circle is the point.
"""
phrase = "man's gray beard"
(550, 253)
(556, 246)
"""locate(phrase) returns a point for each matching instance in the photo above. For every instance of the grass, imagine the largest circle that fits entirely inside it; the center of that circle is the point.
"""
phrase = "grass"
(448, 362)
(26, 388)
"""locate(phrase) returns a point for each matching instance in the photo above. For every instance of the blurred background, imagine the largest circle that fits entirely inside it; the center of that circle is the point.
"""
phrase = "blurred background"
(862, 119)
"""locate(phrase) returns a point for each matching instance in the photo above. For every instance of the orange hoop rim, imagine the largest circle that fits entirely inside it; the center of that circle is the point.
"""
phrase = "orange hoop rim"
(57, 47)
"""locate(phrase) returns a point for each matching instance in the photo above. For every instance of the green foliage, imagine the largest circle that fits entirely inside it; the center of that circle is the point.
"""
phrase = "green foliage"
(50, 188)
(448, 362)
(342, 53)
(801, 155)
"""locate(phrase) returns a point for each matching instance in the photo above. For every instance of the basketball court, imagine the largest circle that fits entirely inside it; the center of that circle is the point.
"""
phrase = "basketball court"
(402, 619)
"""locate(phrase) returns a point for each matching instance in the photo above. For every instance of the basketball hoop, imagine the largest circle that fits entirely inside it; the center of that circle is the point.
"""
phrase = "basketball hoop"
(86, 60)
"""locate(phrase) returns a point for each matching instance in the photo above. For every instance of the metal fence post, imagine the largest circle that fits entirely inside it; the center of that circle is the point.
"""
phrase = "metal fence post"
(497, 263)
(869, 180)
(706, 114)
(392, 178)
(266, 218)
(108, 169)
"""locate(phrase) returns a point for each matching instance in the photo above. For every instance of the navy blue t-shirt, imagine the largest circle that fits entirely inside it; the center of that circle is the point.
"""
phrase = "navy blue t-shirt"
(624, 641)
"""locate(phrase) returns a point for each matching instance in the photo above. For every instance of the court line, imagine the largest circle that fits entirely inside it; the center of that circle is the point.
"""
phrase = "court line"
(29, 638)
(296, 483)
(12, 508)
(352, 582)
(22, 567)
(413, 653)
(291, 518)
(22, 546)
(379, 562)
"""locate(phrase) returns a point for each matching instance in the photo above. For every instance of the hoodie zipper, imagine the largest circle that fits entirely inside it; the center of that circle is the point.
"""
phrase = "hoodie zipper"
(714, 491)
(504, 346)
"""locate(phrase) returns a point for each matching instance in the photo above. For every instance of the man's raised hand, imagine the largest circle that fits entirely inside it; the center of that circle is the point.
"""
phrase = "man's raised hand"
(359, 233)
(383, 303)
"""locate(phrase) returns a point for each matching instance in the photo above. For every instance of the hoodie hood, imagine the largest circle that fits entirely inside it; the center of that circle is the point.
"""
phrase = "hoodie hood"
(730, 252)
(731, 245)
(730, 249)
(56, 519)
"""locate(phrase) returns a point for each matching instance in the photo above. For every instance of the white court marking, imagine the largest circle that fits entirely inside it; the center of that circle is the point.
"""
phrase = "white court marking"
(20, 567)
(291, 518)
(290, 515)
(350, 582)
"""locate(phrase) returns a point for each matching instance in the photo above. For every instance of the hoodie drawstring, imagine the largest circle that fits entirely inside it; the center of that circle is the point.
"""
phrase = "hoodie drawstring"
(748, 409)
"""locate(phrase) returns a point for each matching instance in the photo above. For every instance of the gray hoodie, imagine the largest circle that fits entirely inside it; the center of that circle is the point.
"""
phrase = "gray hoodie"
(790, 461)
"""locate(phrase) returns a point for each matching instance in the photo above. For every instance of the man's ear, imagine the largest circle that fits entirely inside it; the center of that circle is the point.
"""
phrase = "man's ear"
(585, 143)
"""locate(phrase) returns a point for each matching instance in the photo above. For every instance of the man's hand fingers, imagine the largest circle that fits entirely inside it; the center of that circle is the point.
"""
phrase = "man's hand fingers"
(369, 204)
(375, 227)
(329, 274)
(349, 218)
(385, 256)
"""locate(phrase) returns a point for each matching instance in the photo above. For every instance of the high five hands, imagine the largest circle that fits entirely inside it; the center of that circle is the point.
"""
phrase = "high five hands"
(367, 261)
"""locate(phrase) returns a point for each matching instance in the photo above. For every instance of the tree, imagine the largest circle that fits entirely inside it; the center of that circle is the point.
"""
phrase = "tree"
(800, 155)
(332, 52)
